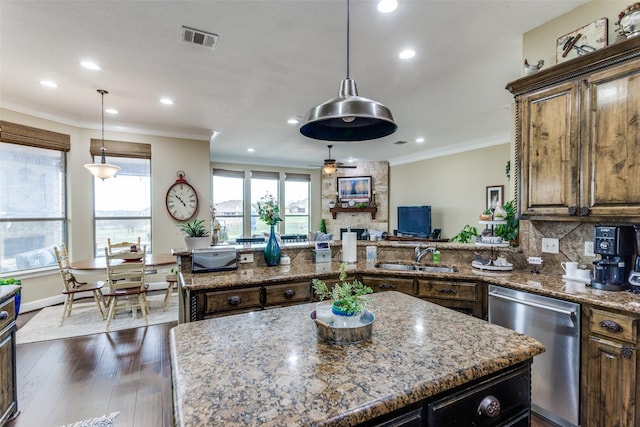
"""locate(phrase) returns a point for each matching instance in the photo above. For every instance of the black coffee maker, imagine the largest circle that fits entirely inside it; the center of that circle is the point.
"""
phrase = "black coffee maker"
(616, 245)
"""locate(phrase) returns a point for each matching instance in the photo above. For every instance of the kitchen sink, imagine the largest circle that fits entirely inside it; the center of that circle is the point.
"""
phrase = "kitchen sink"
(414, 267)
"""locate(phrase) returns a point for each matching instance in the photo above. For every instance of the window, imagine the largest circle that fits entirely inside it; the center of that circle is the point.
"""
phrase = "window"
(296, 202)
(32, 196)
(228, 199)
(122, 205)
(262, 183)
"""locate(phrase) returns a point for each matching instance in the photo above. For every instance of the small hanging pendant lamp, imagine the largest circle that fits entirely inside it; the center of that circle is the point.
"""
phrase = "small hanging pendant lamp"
(348, 117)
(102, 170)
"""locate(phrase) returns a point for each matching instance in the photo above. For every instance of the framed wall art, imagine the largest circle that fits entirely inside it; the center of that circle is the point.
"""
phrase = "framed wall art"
(582, 41)
(354, 188)
(495, 196)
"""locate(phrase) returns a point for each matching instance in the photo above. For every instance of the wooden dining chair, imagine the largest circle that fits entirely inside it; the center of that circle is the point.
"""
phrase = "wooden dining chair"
(127, 289)
(71, 286)
(122, 245)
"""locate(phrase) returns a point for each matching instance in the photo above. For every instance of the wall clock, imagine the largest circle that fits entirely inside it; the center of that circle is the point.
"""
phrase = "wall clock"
(582, 41)
(182, 199)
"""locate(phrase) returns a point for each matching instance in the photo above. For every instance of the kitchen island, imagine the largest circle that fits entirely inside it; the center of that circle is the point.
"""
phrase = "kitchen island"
(267, 368)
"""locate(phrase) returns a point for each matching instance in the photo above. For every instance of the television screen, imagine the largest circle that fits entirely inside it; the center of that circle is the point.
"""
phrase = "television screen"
(414, 220)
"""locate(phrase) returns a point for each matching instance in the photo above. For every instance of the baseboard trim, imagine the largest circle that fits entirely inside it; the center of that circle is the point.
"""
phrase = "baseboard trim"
(59, 299)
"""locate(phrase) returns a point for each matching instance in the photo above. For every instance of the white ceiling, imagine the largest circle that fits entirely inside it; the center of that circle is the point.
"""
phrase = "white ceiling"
(275, 59)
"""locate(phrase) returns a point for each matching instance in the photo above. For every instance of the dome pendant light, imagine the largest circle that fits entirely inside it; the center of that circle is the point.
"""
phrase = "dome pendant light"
(102, 170)
(348, 117)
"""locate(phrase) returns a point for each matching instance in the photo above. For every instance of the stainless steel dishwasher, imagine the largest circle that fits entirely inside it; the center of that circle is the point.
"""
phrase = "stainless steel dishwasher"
(555, 384)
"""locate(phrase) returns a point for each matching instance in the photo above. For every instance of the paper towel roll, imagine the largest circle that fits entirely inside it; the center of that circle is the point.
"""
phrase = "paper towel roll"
(349, 247)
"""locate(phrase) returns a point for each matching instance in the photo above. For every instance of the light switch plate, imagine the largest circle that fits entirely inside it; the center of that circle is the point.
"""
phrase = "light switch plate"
(550, 246)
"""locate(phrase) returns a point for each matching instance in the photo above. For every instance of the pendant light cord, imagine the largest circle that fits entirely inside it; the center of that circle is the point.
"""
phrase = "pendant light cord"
(102, 156)
(348, 39)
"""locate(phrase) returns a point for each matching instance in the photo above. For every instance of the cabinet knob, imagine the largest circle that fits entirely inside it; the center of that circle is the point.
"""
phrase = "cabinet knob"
(490, 406)
(4, 315)
(289, 293)
(235, 300)
(573, 210)
(584, 211)
(611, 325)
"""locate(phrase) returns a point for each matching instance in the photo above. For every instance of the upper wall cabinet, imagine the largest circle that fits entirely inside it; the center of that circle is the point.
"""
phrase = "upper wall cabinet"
(578, 137)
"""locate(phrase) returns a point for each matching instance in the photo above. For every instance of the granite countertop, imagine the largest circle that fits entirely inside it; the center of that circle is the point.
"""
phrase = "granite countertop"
(8, 290)
(544, 284)
(267, 368)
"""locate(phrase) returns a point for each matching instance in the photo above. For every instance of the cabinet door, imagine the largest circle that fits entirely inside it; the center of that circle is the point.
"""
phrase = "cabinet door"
(548, 126)
(8, 402)
(611, 170)
(611, 383)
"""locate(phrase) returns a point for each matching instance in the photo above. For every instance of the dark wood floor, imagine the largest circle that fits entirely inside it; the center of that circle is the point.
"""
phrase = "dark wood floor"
(64, 381)
(69, 380)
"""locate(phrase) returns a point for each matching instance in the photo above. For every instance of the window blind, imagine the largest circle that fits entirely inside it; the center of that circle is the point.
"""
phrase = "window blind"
(13, 133)
(121, 149)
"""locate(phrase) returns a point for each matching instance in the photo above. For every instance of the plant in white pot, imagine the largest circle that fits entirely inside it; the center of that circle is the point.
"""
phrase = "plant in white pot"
(348, 299)
(197, 235)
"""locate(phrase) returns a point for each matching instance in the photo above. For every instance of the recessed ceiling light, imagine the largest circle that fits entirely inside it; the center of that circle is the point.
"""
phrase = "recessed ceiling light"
(111, 111)
(90, 65)
(166, 101)
(293, 121)
(251, 150)
(387, 6)
(420, 140)
(407, 54)
(48, 83)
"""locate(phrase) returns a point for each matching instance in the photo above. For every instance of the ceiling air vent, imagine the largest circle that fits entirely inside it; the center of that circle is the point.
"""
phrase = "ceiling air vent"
(202, 38)
(400, 142)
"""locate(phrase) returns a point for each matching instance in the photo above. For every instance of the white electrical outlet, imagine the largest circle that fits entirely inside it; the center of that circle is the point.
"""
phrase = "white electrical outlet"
(550, 246)
(588, 249)
(246, 258)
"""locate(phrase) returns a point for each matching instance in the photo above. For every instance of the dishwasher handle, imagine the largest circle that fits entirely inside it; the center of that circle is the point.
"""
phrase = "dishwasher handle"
(569, 313)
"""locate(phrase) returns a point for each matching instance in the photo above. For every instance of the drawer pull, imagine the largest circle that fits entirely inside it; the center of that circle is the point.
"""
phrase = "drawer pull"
(289, 293)
(490, 406)
(387, 286)
(4, 315)
(446, 291)
(626, 352)
(610, 325)
(235, 300)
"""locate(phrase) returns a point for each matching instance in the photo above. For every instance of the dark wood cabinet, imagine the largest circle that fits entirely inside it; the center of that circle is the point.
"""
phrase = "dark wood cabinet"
(465, 296)
(578, 142)
(8, 388)
(610, 370)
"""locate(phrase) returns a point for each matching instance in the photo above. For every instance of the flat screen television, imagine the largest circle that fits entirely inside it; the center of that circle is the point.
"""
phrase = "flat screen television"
(414, 221)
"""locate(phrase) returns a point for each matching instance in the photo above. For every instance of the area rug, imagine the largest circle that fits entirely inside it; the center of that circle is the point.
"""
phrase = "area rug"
(85, 320)
(104, 421)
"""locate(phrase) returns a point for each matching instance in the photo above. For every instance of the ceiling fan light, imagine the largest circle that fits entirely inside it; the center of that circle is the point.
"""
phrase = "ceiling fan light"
(330, 168)
(348, 117)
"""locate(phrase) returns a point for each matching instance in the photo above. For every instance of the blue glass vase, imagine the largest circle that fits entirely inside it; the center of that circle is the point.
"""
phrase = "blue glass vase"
(272, 250)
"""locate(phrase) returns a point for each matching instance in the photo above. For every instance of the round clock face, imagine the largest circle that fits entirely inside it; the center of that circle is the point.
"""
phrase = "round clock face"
(182, 201)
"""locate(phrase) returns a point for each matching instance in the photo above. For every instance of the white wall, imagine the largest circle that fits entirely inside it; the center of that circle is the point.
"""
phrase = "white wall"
(454, 186)
(168, 155)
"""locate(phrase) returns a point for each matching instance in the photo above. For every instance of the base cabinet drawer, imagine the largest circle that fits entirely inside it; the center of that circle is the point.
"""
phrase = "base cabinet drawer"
(288, 293)
(380, 284)
(447, 289)
(235, 299)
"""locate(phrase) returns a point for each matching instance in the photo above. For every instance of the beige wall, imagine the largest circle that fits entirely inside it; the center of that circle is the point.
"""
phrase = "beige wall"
(540, 43)
(454, 186)
(168, 155)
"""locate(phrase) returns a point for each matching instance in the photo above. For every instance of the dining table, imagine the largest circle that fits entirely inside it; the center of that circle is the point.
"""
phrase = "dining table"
(152, 262)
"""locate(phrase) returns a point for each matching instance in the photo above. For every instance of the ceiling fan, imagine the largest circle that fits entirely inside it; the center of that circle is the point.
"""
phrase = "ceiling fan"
(330, 165)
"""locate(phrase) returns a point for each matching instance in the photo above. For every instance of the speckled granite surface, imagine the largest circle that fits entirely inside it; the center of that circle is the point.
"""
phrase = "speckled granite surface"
(267, 368)
(544, 284)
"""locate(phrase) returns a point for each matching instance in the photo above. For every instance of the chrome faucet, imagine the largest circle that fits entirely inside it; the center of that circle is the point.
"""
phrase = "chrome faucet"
(420, 253)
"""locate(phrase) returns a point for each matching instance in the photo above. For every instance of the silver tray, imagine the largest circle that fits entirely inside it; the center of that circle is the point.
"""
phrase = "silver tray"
(333, 335)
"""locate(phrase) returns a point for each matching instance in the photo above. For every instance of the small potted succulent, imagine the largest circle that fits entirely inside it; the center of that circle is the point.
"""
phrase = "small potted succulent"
(348, 299)
(197, 235)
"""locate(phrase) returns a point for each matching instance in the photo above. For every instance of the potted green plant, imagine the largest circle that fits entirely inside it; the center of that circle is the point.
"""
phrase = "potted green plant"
(197, 235)
(348, 299)
(269, 212)
(509, 231)
(16, 282)
(465, 235)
